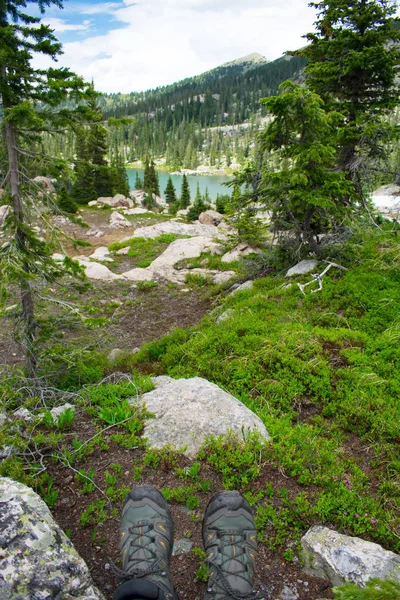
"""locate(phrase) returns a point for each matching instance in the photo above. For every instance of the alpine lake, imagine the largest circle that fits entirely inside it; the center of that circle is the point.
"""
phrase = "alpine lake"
(214, 183)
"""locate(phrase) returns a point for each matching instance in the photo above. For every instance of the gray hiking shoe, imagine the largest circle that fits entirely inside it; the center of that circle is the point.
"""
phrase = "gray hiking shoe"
(147, 537)
(230, 542)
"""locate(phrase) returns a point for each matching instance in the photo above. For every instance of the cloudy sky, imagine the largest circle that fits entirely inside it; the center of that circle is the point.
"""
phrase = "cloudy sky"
(127, 45)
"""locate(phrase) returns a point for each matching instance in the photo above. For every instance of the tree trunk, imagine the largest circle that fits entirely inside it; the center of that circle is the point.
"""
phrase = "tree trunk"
(25, 288)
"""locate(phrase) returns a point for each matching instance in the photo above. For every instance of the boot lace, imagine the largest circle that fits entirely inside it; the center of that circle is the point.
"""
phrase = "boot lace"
(219, 583)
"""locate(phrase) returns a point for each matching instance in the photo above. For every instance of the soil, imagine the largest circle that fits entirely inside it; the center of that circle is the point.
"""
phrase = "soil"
(98, 545)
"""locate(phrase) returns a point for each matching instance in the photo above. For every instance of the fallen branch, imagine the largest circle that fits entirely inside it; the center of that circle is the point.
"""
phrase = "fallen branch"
(318, 277)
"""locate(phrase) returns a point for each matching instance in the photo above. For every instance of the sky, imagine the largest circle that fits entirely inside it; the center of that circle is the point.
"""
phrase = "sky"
(127, 45)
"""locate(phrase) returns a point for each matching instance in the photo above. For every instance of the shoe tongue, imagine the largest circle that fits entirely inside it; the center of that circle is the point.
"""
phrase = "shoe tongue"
(139, 589)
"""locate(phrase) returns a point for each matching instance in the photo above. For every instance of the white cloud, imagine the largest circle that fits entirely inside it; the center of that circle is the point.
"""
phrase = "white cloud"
(59, 25)
(103, 8)
(162, 41)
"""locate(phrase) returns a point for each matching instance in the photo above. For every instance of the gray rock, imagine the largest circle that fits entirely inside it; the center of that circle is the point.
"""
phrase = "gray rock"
(340, 558)
(225, 315)
(39, 562)
(238, 252)
(182, 546)
(93, 203)
(3, 418)
(288, 593)
(188, 410)
(24, 414)
(118, 220)
(45, 182)
(123, 251)
(104, 200)
(303, 267)
(247, 285)
(102, 253)
(210, 217)
(95, 270)
(58, 410)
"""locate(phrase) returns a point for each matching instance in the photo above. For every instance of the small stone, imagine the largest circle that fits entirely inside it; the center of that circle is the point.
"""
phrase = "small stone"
(288, 594)
(182, 546)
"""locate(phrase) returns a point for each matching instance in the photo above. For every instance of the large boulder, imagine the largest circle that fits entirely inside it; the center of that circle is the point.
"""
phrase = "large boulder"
(4, 210)
(95, 270)
(340, 558)
(104, 200)
(387, 200)
(302, 268)
(102, 253)
(37, 560)
(192, 229)
(185, 248)
(210, 217)
(45, 182)
(238, 252)
(118, 220)
(186, 411)
(119, 201)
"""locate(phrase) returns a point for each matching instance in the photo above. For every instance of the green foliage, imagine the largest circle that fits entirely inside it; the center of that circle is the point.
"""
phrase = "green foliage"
(150, 179)
(47, 490)
(202, 572)
(316, 369)
(352, 62)
(170, 194)
(164, 459)
(199, 205)
(375, 589)
(65, 202)
(185, 193)
(306, 195)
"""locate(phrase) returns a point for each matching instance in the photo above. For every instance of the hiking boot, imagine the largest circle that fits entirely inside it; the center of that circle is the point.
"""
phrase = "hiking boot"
(147, 537)
(230, 542)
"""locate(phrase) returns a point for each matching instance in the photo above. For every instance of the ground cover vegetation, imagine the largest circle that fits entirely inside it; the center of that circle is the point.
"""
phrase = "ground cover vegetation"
(320, 367)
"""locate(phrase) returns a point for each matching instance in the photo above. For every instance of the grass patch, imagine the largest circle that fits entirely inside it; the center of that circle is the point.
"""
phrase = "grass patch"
(322, 372)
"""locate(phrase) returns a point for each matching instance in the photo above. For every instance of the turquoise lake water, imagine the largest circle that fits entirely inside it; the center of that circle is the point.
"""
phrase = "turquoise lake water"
(212, 182)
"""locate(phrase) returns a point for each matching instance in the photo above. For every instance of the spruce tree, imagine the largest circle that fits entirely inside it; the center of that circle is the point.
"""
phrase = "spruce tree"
(198, 206)
(170, 193)
(306, 193)
(65, 202)
(138, 182)
(185, 193)
(30, 100)
(353, 59)
(154, 179)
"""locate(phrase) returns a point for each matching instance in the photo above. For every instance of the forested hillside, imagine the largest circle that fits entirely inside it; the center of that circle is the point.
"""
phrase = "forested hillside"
(183, 121)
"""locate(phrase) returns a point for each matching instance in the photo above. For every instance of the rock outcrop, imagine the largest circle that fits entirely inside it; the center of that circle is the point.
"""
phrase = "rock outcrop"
(340, 558)
(37, 560)
(188, 410)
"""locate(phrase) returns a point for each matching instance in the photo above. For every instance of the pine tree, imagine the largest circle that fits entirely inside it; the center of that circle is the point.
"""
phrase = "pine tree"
(154, 178)
(185, 193)
(198, 206)
(30, 99)
(138, 182)
(65, 202)
(170, 193)
(306, 194)
(353, 59)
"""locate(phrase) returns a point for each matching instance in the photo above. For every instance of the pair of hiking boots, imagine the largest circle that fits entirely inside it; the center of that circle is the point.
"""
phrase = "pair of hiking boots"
(147, 535)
